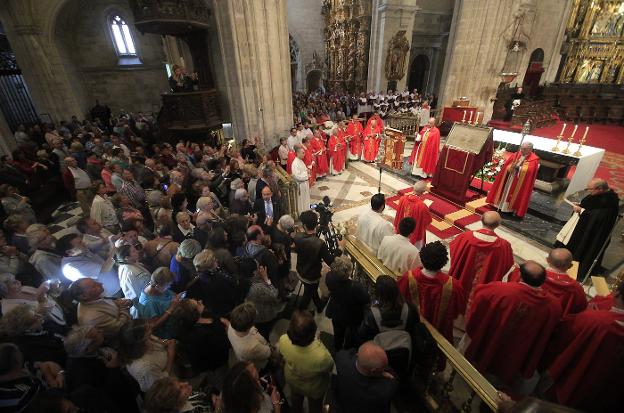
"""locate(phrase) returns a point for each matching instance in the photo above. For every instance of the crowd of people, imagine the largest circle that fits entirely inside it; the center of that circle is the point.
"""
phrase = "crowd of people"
(163, 295)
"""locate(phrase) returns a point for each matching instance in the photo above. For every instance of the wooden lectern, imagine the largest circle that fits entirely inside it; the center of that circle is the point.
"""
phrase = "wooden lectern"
(466, 150)
(394, 144)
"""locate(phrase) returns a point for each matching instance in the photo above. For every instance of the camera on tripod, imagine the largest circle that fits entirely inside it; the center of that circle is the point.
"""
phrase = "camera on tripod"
(326, 230)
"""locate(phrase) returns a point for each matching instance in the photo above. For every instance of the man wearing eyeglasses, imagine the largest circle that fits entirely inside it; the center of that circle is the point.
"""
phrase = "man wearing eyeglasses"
(598, 213)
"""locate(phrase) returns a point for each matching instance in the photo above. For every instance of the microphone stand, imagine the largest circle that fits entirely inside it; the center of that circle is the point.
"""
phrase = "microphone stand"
(379, 187)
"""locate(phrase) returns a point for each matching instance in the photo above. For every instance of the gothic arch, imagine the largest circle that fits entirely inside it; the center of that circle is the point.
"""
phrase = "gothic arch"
(418, 73)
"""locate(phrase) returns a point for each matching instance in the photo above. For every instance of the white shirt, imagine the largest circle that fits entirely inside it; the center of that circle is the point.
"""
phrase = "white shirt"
(372, 228)
(151, 366)
(299, 170)
(103, 211)
(252, 347)
(81, 178)
(398, 253)
(282, 151)
(293, 140)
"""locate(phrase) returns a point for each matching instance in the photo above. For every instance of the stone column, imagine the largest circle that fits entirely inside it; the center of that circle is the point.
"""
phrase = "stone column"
(388, 17)
(477, 50)
(253, 40)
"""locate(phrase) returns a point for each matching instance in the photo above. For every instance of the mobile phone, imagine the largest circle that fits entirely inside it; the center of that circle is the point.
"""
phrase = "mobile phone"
(183, 294)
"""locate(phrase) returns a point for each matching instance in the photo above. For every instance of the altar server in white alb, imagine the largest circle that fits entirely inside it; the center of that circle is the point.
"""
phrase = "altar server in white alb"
(397, 251)
(372, 227)
(299, 172)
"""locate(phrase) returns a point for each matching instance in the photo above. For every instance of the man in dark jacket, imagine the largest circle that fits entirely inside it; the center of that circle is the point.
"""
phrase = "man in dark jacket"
(347, 301)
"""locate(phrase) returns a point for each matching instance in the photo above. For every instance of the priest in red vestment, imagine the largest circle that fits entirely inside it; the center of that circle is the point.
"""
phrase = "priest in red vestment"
(481, 256)
(513, 186)
(412, 205)
(336, 158)
(601, 302)
(438, 297)
(320, 154)
(354, 130)
(426, 150)
(343, 140)
(372, 137)
(309, 160)
(565, 288)
(584, 361)
(509, 326)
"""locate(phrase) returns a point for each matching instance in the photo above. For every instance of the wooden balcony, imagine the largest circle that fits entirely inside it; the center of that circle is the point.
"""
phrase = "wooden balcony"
(171, 17)
(189, 113)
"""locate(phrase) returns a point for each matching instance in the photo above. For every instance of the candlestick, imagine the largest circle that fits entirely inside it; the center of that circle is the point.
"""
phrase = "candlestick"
(470, 118)
(476, 121)
(570, 139)
(464, 117)
(582, 142)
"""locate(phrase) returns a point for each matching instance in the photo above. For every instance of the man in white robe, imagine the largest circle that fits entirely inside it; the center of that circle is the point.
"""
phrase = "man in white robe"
(397, 252)
(299, 172)
(372, 226)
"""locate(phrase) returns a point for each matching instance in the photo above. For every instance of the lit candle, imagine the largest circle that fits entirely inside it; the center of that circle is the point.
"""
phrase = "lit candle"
(464, 117)
(585, 134)
(470, 118)
(477, 119)
(563, 129)
(573, 131)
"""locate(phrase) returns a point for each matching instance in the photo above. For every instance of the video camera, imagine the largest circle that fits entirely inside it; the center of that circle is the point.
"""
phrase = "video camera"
(326, 230)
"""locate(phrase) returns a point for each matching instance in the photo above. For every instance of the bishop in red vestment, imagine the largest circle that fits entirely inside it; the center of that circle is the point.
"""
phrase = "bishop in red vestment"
(411, 205)
(509, 326)
(343, 140)
(372, 138)
(479, 257)
(438, 297)
(585, 361)
(309, 161)
(426, 150)
(354, 130)
(513, 186)
(566, 289)
(336, 155)
(320, 154)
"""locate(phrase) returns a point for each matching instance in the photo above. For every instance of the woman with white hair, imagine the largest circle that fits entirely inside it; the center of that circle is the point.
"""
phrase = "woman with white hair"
(13, 293)
(184, 229)
(235, 185)
(206, 216)
(241, 205)
(45, 259)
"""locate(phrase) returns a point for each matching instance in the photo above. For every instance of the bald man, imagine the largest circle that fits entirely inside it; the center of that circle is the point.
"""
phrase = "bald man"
(426, 150)
(512, 189)
(364, 383)
(481, 256)
(508, 327)
(412, 205)
(598, 213)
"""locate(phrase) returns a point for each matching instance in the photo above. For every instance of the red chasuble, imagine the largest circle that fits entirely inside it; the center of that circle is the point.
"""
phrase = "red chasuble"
(601, 302)
(509, 326)
(320, 154)
(585, 360)
(521, 187)
(291, 157)
(308, 160)
(439, 299)
(354, 129)
(413, 206)
(372, 138)
(476, 261)
(567, 290)
(426, 153)
(343, 141)
(335, 154)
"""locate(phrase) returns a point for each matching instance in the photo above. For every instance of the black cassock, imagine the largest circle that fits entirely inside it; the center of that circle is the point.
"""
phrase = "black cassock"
(593, 228)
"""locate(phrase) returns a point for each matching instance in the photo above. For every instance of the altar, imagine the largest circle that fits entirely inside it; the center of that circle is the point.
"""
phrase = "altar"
(586, 164)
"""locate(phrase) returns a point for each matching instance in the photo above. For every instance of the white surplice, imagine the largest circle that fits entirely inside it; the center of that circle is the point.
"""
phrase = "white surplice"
(300, 175)
(398, 253)
(372, 228)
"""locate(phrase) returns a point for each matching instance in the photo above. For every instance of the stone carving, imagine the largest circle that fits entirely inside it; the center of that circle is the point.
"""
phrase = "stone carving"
(396, 57)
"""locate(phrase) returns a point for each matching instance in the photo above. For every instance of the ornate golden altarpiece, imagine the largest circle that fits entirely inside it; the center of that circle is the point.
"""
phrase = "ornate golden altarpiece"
(347, 37)
(595, 33)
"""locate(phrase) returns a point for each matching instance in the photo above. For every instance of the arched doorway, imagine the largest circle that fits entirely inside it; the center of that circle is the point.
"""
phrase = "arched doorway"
(313, 80)
(530, 83)
(418, 73)
(294, 61)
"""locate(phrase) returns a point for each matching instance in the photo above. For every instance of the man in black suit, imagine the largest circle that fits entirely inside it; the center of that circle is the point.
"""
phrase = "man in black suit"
(267, 209)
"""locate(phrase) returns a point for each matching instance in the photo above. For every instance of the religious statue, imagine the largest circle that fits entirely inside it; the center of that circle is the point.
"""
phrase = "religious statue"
(397, 54)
